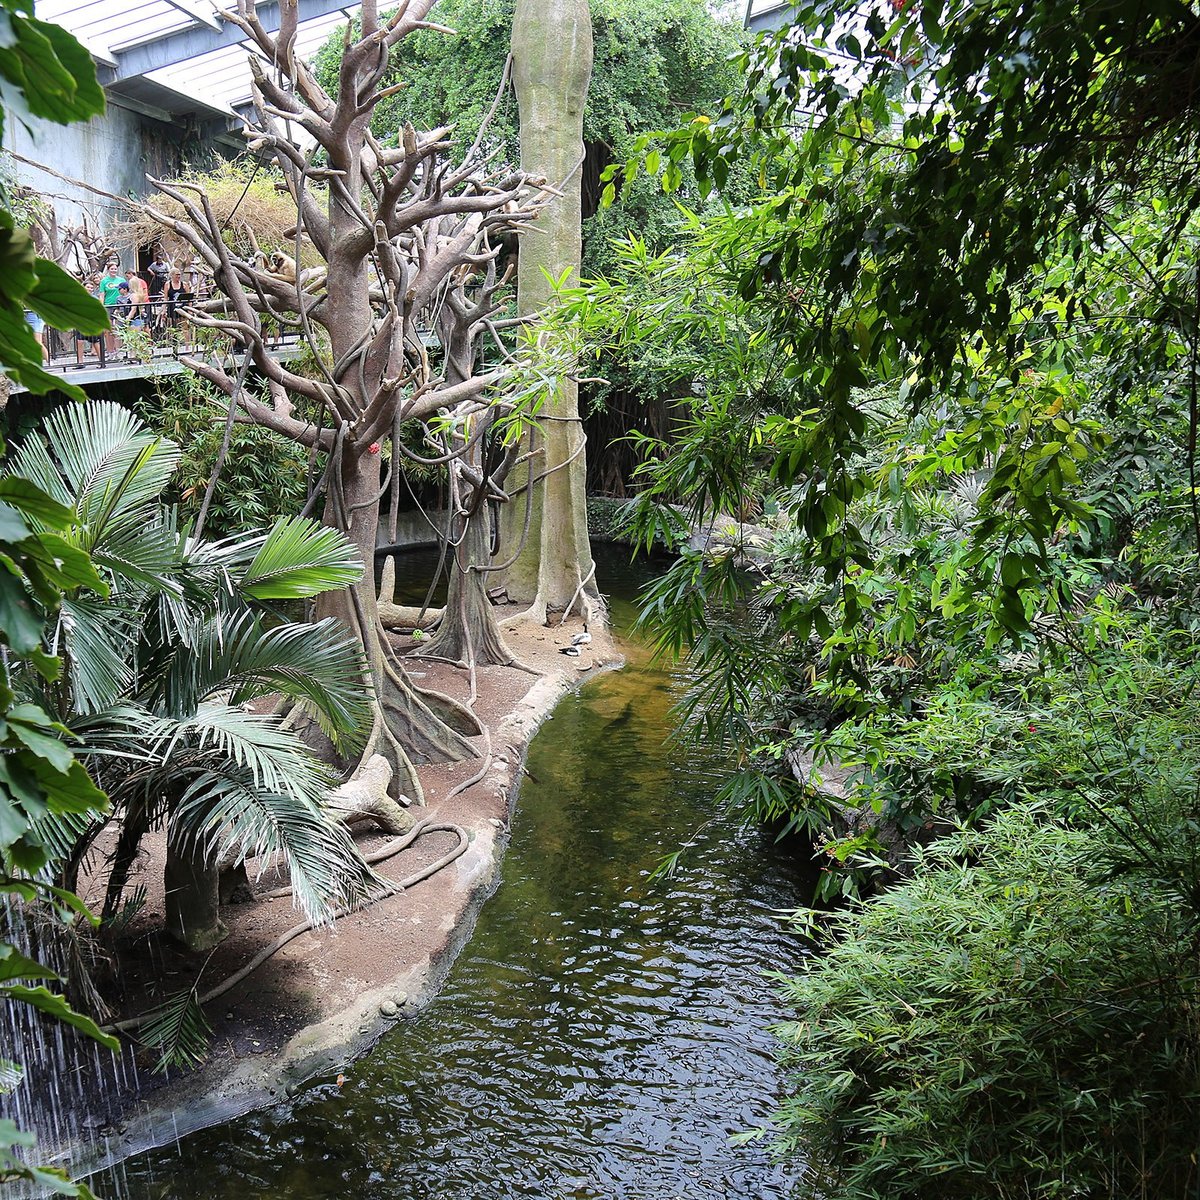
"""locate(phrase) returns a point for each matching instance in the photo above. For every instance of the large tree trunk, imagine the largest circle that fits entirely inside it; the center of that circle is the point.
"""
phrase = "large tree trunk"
(469, 633)
(410, 727)
(193, 899)
(552, 64)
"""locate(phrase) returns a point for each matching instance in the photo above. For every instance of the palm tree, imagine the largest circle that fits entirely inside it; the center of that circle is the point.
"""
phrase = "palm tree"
(173, 682)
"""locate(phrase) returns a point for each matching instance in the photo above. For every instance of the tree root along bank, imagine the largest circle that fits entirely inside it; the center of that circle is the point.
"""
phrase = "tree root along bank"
(390, 888)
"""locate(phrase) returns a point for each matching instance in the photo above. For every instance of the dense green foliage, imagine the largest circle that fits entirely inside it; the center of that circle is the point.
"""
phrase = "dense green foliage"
(1018, 1020)
(47, 74)
(263, 476)
(158, 678)
(652, 62)
(948, 363)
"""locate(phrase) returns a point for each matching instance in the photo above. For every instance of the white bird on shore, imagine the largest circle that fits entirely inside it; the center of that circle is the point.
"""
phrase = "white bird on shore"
(581, 639)
(573, 651)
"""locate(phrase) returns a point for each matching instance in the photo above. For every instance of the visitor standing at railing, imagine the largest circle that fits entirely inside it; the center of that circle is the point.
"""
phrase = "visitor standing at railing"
(178, 294)
(93, 286)
(157, 274)
(110, 293)
(139, 299)
(39, 328)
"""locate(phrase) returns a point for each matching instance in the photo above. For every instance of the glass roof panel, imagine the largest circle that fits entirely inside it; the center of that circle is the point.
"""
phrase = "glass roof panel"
(218, 77)
(222, 77)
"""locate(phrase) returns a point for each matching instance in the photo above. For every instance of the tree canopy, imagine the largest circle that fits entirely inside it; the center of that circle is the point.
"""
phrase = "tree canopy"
(652, 63)
(947, 362)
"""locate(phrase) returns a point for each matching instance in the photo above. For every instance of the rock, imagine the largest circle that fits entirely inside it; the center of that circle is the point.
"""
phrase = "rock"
(499, 824)
(401, 998)
(388, 1009)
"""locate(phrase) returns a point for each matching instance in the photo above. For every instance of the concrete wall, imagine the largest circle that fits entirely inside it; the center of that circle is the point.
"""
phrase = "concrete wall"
(113, 151)
(412, 529)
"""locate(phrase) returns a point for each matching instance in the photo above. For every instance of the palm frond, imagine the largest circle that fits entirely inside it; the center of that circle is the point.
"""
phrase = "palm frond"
(318, 665)
(300, 558)
(59, 833)
(178, 1030)
(275, 758)
(141, 554)
(225, 809)
(99, 459)
(97, 639)
(121, 731)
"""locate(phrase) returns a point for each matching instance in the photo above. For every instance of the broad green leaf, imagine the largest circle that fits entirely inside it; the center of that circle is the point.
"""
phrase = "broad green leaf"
(32, 501)
(32, 65)
(69, 791)
(88, 99)
(15, 965)
(64, 302)
(32, 727)
(20, 623)
(17, 259)
(55, 1006)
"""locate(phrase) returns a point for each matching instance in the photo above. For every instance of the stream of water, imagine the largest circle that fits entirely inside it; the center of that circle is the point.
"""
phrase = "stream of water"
(601, 1036)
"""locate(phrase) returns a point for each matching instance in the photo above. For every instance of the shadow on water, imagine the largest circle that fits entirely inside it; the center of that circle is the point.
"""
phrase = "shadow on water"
(601, 1036)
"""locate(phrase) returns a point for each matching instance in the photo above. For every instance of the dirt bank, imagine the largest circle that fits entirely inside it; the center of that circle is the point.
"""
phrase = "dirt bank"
(327, 996)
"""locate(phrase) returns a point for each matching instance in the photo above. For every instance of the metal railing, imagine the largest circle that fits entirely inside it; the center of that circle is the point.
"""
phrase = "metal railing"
(141, 334)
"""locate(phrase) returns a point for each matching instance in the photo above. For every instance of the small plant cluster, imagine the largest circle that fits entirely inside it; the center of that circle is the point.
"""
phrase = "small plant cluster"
(264, 475)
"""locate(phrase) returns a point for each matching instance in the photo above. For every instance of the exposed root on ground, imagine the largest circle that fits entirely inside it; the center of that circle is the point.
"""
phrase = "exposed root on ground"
(390, 888)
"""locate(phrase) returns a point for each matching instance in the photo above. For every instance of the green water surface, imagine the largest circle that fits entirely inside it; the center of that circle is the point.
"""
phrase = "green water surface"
(602, 1035)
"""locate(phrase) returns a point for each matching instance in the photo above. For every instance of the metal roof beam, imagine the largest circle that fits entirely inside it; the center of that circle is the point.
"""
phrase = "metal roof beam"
(102, 54)
(191, 43)
(197, 10)
(767, 17)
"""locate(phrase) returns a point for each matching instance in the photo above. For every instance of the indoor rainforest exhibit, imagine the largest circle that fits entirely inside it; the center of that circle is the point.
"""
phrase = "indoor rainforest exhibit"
(601, 600)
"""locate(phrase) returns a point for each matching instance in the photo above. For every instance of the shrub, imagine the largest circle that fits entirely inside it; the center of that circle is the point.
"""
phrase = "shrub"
(1017, 1020)
(264, 476)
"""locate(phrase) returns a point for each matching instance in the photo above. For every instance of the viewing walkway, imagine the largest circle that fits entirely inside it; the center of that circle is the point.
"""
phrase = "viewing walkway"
(97, 364)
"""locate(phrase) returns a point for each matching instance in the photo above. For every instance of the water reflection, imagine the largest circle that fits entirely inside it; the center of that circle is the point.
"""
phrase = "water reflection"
(601, 1036)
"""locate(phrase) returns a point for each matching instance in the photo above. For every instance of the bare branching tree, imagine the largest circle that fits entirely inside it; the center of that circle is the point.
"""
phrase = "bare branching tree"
(410, 244)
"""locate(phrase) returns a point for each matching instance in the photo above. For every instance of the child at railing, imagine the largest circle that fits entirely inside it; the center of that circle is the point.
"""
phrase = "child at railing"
(94, 285)
(139, 300)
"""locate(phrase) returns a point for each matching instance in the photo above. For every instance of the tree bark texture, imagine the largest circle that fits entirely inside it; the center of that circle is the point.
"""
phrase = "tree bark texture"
(469, 632)
(402, 231)
(193, 899)
(552, 65)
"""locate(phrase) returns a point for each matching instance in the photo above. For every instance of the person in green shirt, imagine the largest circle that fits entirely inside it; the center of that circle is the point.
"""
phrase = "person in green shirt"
(110, 294)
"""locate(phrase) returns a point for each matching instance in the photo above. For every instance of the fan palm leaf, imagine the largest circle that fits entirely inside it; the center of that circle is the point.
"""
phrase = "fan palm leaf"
(100, 460)
(224, 808)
